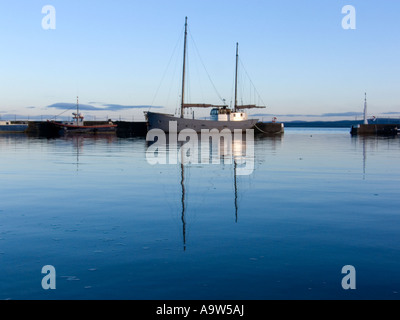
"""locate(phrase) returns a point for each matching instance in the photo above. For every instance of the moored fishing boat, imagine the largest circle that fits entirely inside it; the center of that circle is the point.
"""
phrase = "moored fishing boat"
(77, 125)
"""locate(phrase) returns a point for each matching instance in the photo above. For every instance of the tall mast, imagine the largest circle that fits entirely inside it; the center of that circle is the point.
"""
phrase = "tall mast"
(365, 110)
(236, 75)
(183, 72)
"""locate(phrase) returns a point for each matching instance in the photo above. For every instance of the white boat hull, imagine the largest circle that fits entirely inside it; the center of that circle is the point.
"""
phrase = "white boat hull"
(162, 121)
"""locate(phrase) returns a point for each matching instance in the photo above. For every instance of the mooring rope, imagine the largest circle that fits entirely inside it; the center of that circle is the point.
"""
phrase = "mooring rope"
(260, 129)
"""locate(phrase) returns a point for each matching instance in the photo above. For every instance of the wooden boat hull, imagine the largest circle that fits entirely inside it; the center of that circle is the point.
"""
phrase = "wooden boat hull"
(95, 129)
(162, 121)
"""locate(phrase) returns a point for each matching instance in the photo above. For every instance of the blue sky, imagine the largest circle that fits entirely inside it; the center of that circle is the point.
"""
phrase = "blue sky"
(122, 56)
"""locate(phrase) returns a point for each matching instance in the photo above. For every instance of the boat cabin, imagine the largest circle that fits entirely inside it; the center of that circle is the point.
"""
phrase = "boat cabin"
(226, 114)
(77, 120)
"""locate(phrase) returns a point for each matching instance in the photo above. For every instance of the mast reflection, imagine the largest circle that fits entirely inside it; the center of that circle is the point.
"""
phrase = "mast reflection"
(183, 206)
(79, 140)
(231, 152)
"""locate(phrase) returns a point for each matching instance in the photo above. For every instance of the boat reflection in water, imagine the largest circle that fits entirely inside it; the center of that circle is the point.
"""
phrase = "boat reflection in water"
(234, 149)
(213, 152)
(78, 142)
(209, 147)
(370, 144)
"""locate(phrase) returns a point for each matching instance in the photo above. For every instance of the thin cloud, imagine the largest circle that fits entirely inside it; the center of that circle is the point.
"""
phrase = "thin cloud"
(66, 106)
(104, 107)
(116, 107)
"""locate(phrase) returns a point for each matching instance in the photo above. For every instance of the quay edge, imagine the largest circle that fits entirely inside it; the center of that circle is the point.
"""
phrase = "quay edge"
(124, 129)
(375, 129)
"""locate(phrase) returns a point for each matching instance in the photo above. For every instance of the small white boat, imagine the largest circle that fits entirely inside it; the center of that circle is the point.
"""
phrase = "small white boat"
(9, 127)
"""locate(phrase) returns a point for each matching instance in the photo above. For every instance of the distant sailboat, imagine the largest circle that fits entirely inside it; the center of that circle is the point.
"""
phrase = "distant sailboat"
(221, 116)
(365, 110)
(373, 127)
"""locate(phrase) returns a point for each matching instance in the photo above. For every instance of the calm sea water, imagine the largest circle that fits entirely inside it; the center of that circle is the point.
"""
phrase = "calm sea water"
(116, 227)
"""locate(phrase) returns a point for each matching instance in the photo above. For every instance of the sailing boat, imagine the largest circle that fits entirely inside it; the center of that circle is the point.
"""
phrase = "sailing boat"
(221, 116)
(78, 126)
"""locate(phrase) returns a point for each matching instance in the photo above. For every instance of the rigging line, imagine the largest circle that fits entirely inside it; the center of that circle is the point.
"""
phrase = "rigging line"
(208, 75)
(255, 90)
(165, 72)
(171, 85)
(64, 112)
(232, 90)
(241, 84)
(188, 85)
(199, 77)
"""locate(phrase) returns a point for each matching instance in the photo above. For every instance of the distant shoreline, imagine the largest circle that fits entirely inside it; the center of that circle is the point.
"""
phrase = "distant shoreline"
(336, 124)
(322, 124)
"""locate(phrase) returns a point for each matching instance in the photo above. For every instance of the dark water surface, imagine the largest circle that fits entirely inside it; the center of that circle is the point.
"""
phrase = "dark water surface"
(116, 227)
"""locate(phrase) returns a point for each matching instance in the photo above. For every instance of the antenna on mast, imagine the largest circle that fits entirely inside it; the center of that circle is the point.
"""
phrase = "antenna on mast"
(365, 109)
